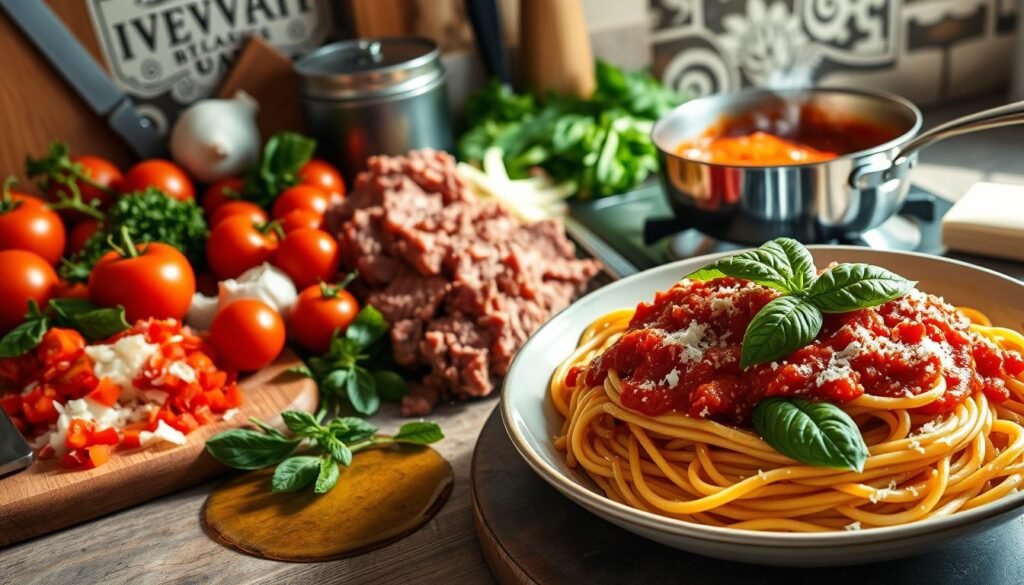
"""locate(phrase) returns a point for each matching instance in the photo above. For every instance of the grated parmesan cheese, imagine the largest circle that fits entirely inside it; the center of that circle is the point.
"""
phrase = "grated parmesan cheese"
(852, 526)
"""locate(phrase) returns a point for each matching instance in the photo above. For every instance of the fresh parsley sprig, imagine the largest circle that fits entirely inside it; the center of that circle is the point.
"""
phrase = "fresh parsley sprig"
(324, 447)
(348, 372)
(94, 323)
(794, 319)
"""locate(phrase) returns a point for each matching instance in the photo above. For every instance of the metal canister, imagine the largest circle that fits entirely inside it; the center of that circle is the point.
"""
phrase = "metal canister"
(374, 96)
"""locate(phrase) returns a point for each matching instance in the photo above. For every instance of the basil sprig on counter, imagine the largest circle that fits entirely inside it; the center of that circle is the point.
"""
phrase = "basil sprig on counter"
(324, 446)
(94, 323)
(793, 320)
(814, 433)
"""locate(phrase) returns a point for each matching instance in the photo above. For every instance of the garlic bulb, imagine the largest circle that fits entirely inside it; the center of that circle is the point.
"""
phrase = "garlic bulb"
(265, 283)
(215, 139)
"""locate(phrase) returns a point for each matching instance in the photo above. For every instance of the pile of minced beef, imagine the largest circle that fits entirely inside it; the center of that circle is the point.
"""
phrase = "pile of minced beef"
(462, 281)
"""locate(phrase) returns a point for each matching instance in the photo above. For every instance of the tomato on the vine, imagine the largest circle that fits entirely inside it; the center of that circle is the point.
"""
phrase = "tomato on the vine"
(27, 223)
(160, 174)
(98, 185)
(81, 233)
(222, 192)
(304, 197)
(24, 276)
(300, 218)
(148, 280)
(244, 208)
(320, 310)
(323, 174)
(308, 256)
(236, 244)
(247, 335)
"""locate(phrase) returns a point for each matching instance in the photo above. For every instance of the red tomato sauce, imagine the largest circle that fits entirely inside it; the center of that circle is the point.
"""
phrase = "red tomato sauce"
(681, 354)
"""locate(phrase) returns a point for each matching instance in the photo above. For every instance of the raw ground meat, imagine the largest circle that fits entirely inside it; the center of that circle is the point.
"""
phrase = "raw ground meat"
(462, 282)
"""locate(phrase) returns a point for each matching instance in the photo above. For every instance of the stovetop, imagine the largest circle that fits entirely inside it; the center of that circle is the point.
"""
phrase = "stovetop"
(613, 229)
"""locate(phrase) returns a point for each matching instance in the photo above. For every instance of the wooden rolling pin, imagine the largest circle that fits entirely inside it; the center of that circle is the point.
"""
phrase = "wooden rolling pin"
(555, 47)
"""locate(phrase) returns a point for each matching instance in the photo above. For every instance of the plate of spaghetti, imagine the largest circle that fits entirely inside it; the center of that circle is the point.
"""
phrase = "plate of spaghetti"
(785, 405)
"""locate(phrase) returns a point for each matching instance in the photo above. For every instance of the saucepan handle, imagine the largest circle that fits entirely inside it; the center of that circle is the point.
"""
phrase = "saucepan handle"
(875, 174)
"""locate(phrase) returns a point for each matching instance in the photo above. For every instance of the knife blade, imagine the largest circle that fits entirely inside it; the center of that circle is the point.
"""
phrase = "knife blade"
(15, 453)
(84, 74)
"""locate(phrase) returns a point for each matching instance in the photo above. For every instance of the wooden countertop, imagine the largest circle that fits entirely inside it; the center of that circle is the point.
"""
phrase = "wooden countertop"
(163, 541)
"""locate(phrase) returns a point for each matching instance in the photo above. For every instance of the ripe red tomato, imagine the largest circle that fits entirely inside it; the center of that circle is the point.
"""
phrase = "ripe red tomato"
(23, 276)
(155, 281)
(322, 174)
(244, 208)
(308, 256)
(27, 223)
(104, 181)
(161, 174)
(80, 234)
(301, 218)
(319, 311)
(247, 335)
(236, 244)
(305, 197)
(221, 192)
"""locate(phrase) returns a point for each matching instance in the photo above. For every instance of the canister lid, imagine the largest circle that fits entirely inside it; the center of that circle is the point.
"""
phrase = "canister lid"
(364, 68)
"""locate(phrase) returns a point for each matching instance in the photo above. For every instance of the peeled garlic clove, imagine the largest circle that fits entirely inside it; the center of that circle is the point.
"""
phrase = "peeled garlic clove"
(216, 138)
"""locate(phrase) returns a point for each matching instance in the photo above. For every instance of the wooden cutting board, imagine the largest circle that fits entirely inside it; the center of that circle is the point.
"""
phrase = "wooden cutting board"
(532, 535)
(45, 497)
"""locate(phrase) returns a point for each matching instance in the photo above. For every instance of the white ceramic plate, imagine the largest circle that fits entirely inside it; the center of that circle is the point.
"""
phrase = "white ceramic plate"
(532, 421)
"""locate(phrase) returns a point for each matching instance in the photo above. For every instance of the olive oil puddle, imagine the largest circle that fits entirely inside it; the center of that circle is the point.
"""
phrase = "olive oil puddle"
(385, 495)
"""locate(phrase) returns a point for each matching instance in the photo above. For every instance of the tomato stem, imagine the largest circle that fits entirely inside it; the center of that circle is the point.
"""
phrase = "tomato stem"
(127, 247)
(274, 227)
(75, 203)
(330, 291)
(6, 202)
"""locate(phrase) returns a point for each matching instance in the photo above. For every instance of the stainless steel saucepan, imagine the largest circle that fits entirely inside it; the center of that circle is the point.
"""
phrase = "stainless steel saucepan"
(814, 202)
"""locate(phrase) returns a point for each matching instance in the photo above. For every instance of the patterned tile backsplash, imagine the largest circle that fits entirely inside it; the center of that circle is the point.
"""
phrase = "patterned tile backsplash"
(926, 50)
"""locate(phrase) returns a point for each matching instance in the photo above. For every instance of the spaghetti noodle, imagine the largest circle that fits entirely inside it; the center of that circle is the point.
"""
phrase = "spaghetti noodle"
(933, 451)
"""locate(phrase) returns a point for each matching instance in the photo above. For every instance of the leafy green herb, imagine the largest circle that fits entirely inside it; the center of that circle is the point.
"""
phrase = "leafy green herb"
(601, 145)
(785, 323)
(94, 323)
(150, 216)
(56, 170)
(314, 451)
(813, 433)
(345, 374)
(283, 157)
(849, 287)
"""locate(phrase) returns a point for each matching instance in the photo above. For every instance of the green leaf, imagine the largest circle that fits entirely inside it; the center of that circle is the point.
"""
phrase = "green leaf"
(299, 422)
(419, 433)
(266, 428)
(336, 382)
(94, 323)
(767, 266)
(328, 475)
(247, 449)
(301, 370)
(390, 385)
(362, 392)
(800, 262)
(284, 154)
(848, 287)
(813, 433)
(295, 473)
(368, 326)
(781, 327)
(351, 429)
(26, 336)
(337, 449)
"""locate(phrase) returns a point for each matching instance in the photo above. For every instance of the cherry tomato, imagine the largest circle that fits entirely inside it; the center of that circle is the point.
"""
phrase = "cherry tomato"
(161, 174)
(103, 181)
(221, 192)
(319, 311)
(23, 276)
(247, 335)
(244, 208)
(81, 233)
(301, 218)
(308, 256)
(236, 244)
(27, 223)
(148, 280)
(71, 290)
(306, 197)
(322, 174)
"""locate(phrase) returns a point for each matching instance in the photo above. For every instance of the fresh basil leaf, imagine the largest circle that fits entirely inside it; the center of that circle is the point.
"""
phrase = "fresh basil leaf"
(781, 327)
(813, 433)
(100, 324)
(368, 326)
(338, 450)
(767, 266)
(248, 449)
(390, 385)
(362, 392)
(848, 287)
(335, 382)
(26, 336)
(351, 429)
(300, 370)
(299, 422)
(800, 262)
(328, 475)
(266, 428)
(419, 433)
(295, 473)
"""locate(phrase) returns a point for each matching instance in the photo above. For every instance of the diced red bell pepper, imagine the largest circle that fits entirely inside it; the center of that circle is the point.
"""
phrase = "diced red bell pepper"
(77, 380)
(79, 434)
(107, 436)
(45, 453)
(40, 410)
(204, 415)
(233, 396)
(185, 422)
(131, 439)
(106, 393)
(74, 459)
(60, 345)
(11, 403)
(96, 455)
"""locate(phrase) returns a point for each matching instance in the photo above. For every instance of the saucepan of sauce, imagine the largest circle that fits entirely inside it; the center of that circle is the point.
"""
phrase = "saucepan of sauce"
(815, 164)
